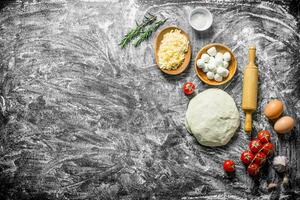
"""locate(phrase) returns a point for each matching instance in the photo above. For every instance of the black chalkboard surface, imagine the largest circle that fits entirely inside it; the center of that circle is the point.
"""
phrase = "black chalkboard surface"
(82, 118)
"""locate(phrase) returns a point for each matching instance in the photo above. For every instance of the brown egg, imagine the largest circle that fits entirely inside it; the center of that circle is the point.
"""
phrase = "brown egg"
(273, 109)
(284, 124)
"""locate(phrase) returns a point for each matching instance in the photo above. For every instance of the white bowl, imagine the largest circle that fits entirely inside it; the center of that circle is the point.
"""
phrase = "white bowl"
(200, 19)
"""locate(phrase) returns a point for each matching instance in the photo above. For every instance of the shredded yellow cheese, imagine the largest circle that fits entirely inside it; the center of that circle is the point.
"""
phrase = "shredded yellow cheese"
(172, 50)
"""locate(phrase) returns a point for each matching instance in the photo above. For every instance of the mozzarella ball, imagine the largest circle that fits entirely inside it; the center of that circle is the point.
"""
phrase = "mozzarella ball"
(218, 61)
(212, 65)
(225, 64)
(226, 56)
(218, 78)
(226, 73)
(212, 51)
(205, 57)
(205, 68)
(220, 65)
(200, 63)
(222, 71)
(219, 55)
(210, 75)
(211, 59)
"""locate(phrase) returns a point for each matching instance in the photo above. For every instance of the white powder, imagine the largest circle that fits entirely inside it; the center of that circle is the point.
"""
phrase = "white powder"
(200, 20)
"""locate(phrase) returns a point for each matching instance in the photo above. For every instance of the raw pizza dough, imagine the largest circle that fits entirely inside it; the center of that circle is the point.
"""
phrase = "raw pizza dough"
(212, 117)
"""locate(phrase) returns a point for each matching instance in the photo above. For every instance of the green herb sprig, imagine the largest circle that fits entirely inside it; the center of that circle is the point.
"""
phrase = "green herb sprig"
(147, 33)
(134, 32)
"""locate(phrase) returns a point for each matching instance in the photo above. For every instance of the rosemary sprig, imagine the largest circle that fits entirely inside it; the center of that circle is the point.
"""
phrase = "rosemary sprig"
(147, 33)
(134, 32)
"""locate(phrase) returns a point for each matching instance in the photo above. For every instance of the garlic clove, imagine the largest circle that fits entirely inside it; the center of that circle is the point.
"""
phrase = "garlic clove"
(285, 180)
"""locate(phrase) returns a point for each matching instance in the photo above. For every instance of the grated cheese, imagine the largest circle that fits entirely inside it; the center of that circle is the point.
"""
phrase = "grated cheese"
(172, 50)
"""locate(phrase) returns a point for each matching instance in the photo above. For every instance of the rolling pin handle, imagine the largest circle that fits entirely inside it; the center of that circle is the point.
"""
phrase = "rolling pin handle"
(252, 52)
(248, 122)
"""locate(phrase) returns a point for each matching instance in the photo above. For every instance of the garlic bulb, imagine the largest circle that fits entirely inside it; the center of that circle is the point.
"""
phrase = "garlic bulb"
(280, 163)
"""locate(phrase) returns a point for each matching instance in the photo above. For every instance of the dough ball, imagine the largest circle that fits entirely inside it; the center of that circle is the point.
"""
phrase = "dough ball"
(205, 57)
(210, 75)
(225, 64)
(218, 78)
(200, 63)
(227, 57)
(212, 117)
(212, 51)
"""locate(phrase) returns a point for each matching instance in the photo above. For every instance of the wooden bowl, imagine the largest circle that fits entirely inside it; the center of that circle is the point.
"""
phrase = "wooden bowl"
(232, 64)
(188, 54)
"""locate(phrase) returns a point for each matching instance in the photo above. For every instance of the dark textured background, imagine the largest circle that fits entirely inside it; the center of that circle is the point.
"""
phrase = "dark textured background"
(83, 119)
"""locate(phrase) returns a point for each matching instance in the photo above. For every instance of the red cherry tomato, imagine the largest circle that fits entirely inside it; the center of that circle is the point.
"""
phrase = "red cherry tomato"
(253, 169)
(264, 136)
(260, 158)
(188, 88)
(255, 145)
(268, 149)
(247, 157)
(229, 165)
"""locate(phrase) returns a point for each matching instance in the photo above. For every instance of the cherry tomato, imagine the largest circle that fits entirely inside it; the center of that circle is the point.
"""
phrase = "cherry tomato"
(229, 165)
(188, 88)
(264, 136)
(253, 169)
(268, 148)
(260, 158)
(247, 157)
(255, 145)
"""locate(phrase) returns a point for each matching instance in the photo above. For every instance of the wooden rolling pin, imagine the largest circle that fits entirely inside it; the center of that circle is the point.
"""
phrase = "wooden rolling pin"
(250, 82)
